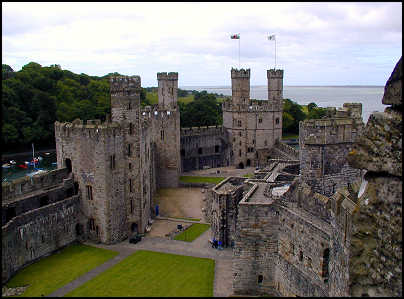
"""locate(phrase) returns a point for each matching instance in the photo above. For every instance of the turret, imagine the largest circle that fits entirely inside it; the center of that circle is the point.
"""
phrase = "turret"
(240, 86)
(125, 97)
(275, 85)
(167, 89)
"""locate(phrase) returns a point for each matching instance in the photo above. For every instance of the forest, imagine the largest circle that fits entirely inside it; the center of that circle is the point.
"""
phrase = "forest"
(36, 96)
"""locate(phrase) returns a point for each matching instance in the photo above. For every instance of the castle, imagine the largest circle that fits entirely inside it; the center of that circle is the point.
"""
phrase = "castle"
(295, 228)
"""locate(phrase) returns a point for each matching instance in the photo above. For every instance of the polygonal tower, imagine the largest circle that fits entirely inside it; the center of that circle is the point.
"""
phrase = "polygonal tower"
(167, 89)
(166, 131)
(275, 97)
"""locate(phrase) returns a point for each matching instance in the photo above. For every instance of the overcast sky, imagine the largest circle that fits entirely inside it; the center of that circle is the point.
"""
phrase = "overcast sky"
(316, 43)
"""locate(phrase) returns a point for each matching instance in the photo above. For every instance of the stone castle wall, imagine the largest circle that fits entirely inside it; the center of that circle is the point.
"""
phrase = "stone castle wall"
(37, 233)
(91, 148)
(203, 147)
(255, 250)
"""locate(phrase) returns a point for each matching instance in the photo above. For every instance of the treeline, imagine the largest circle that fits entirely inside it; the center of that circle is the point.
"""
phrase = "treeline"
(35, 97)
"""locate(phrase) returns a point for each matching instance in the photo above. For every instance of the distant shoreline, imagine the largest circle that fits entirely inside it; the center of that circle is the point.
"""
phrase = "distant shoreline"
(229, 86)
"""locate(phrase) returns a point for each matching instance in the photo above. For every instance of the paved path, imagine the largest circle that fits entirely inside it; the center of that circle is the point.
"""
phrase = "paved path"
(198, 248)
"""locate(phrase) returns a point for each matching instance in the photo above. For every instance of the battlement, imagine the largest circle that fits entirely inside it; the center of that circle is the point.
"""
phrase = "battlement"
(93, 128)
(167, 76)
(253, 106)
(208, 130)
(274, 74)
(349, 110)
(242, 73)
(124, 85)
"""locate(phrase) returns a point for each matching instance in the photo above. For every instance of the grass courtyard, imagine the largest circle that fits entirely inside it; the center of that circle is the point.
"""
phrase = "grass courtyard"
(55, 271)
(201, 179)
(192, 232)
(152, 274)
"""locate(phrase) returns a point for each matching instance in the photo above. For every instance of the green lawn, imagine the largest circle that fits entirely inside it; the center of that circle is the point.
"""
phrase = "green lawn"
(56, 270)
(201, 179)
(186, 218)
(290, 136)
(152, 274)
(192, 232)
(186, 99)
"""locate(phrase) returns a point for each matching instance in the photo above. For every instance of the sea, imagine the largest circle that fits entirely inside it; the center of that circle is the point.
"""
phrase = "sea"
(323, 96)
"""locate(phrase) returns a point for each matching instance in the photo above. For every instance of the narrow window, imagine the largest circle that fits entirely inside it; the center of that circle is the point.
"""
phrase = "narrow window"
(260, 120)
(130, 165)
(277, 121)
(131, 206)
(162, 134)
(301, 256)
(326, 260)
(112, 161)
(239, 134)
(253, 141)
(182, 152)
(130, 128)
(43, 239)
(217, 148)
(239, 153)
(130, 185)
(129, 150)
(89, 192)
(292, 249)
(265, 143)
(129, 106)
(91, 224)
(200, 151)
(260, 279)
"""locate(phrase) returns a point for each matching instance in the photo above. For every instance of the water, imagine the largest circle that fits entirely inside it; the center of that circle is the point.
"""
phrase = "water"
(14, 172)
(323, 96)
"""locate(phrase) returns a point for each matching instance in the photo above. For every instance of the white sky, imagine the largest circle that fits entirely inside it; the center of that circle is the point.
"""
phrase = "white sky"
(316, 43)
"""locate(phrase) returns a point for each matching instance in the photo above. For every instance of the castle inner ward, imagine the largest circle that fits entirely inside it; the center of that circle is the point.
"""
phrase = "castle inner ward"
(290, 226)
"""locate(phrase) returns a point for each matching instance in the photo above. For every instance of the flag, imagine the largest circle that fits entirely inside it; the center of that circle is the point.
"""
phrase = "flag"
(235, 36)
(271, 37)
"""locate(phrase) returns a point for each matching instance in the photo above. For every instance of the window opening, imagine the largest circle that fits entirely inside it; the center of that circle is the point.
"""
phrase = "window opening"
(89, 192)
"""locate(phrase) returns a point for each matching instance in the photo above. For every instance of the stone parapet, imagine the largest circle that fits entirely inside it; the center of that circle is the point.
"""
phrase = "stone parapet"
(240, 73)
(167, 76)
(124, 85)
(274, 74)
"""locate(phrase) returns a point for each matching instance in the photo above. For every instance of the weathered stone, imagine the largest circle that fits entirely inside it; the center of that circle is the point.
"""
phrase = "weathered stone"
(392, 90)
(379, 149)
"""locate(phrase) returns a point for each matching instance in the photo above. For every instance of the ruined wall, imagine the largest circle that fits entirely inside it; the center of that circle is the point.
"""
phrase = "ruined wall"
(304, 241)
(375, 261)
(221, 208)
(21, 186)
(256, 248)
(22, 203)
(324, 146)
(38, 233)
(203, 147)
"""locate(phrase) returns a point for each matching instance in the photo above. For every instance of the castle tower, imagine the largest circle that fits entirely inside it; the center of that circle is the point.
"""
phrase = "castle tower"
(324, 147)
(253, 125)
(166, 131)
(240, 86)
(125, 98)
(275, 96)
(167, 89)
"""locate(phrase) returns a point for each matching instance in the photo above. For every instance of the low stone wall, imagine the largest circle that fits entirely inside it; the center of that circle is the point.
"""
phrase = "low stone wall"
(38, 233)
(196, 185)
(25, 185)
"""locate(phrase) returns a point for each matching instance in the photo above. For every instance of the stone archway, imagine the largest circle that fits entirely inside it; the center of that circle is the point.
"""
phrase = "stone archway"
(241, 165)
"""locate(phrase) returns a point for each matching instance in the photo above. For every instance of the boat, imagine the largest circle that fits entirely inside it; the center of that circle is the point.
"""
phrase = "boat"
(47, 154)
(6, 165)
(12, 162)
(37, 171)
(23, 166)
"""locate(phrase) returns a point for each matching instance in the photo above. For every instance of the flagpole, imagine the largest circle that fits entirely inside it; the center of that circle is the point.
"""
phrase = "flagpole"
(239, 51)
(275, 53)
